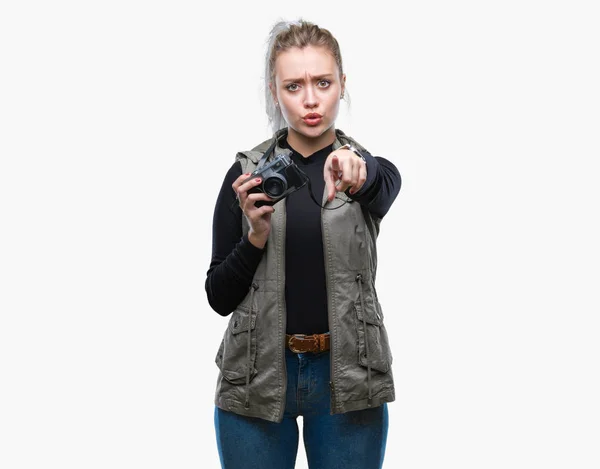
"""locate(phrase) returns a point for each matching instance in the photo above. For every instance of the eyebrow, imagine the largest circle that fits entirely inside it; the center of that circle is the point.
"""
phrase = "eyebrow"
(300, 80)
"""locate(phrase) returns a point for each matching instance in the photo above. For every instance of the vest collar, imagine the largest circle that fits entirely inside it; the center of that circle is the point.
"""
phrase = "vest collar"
(256, 153)
(340, 139)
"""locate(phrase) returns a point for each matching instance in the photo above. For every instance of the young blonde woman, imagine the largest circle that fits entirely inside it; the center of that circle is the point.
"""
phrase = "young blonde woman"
(297, 274)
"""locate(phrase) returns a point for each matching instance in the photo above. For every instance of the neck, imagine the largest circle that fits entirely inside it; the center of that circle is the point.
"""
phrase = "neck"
(306, 146)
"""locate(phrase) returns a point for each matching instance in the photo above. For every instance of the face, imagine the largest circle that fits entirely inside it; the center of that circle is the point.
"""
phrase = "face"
(308, 87)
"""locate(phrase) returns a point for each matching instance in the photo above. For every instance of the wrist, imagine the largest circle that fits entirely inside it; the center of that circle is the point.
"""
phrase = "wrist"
(353, 149)
(257, 240)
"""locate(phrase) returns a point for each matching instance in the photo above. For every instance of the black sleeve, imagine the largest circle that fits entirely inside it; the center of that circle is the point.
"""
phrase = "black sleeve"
(234, 257)
(381, 187)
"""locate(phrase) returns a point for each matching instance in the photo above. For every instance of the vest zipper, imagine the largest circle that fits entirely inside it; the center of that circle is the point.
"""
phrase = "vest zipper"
(332, 338)
(281, 215)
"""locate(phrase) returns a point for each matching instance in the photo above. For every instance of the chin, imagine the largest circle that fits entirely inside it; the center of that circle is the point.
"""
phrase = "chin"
(312, 132)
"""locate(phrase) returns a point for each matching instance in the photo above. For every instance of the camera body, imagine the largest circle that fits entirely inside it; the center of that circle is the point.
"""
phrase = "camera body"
(280, 178)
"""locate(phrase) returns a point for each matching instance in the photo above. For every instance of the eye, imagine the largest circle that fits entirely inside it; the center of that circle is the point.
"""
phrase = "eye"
(324, 83)
(292, 87)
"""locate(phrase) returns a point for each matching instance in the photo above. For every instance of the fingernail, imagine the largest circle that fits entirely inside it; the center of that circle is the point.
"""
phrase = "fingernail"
(257, 179)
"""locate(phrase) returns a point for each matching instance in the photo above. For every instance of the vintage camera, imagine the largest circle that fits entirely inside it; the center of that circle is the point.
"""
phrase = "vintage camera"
(280, 178)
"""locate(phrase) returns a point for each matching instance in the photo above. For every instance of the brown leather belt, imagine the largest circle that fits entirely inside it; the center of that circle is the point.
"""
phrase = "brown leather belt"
(300, 343)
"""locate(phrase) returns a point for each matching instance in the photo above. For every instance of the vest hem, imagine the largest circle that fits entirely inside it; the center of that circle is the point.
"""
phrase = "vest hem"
(231, 405)
(361, 404)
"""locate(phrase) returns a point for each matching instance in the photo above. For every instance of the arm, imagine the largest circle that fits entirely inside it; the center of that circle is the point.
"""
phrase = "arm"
(234, 258)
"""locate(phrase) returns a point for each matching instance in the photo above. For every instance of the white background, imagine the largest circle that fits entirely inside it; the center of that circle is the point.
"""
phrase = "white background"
(118, 121)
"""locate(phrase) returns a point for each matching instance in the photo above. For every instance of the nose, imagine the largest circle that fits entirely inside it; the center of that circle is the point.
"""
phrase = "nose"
(310, 97)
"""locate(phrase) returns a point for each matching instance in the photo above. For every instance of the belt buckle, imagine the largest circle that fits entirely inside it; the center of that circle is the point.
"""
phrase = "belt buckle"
(292, 348)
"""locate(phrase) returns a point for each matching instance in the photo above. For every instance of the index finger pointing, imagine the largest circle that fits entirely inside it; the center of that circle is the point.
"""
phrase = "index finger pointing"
(335, 163)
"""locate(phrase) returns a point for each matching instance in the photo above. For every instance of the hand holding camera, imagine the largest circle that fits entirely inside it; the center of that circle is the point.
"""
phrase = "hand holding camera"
(259, 191)
(259, 218)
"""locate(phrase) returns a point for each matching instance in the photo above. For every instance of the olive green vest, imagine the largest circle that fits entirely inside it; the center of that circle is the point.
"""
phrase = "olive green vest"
(251, 358)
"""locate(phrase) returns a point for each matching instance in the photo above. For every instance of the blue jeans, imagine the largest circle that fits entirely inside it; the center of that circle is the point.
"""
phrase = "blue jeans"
(353, 440)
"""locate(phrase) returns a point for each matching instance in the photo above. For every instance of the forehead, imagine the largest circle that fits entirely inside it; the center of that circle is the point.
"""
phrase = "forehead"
(311, 60)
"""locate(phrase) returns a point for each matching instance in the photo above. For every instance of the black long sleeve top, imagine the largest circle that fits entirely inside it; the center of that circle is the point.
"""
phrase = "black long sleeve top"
(235, 259)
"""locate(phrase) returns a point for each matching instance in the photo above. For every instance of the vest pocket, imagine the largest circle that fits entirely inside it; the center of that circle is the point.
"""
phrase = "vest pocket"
(232, 357)
(380, 357)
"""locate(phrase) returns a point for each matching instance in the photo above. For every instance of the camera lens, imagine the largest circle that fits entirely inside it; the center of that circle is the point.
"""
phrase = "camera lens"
(274, 187)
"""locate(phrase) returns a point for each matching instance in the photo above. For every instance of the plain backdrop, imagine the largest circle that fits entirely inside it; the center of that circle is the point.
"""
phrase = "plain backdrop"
(118, 121)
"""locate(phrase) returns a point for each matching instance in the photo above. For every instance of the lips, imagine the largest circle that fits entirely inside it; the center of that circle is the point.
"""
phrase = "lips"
(312, 119)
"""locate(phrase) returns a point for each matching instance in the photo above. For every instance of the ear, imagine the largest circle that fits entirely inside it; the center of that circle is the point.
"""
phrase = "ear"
(273, 92)
(343, 83)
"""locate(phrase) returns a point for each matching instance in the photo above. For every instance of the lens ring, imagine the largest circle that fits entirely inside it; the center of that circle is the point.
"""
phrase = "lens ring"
(274, 186)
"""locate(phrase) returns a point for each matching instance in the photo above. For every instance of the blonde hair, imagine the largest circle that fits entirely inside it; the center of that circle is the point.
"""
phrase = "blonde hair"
(283, 36)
